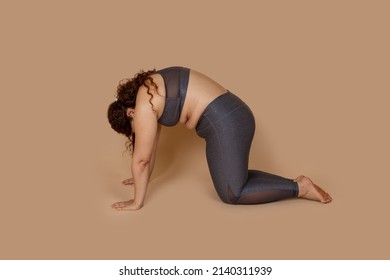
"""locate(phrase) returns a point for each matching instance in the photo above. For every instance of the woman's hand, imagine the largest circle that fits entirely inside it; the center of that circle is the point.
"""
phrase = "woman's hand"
(126, 206)
(129, 181)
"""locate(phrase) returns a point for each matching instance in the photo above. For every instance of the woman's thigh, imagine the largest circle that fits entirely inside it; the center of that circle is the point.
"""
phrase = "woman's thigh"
(228, 136)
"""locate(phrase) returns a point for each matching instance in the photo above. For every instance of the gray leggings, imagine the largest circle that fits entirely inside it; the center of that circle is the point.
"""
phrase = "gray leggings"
(228, 127)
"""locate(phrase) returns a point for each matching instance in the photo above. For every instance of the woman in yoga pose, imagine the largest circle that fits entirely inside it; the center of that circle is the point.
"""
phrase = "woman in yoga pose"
(182, 95)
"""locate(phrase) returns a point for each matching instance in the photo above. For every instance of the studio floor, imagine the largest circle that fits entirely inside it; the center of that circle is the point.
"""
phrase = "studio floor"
(314, 74)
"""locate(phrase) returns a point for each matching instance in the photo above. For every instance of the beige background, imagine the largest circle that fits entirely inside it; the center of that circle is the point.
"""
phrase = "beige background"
(315, 73)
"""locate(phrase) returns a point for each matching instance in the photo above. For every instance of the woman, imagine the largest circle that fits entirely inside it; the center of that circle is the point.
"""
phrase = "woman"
(181, 95)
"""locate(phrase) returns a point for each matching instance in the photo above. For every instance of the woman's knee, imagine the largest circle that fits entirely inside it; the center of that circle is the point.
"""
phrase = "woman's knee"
(227, 201)
(227, 196)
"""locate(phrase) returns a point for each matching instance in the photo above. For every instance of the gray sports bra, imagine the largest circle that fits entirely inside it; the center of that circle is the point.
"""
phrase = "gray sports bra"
(176, 83)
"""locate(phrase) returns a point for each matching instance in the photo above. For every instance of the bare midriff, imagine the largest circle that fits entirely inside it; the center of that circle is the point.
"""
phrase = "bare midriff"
(201, 91)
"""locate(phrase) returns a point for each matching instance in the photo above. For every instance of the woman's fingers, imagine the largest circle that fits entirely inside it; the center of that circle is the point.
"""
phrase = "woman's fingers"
(121, 205)
(125, 206)
(129, 181)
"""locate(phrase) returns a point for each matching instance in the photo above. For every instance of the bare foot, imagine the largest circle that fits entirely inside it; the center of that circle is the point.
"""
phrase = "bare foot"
(308, 190)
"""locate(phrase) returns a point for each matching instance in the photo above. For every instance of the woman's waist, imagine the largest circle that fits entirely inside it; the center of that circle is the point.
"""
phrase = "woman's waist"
(194, 106)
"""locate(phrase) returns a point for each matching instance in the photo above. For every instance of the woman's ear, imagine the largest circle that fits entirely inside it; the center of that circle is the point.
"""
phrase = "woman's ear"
(130, 112)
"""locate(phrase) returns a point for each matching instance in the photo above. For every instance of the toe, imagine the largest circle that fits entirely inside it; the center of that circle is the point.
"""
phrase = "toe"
(327, 199)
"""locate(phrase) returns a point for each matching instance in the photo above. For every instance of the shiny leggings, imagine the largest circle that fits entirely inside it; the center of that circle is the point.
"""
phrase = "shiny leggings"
(228, 127)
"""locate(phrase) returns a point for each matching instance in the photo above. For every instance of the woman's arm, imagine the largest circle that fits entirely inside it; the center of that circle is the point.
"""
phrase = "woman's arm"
(130, 181)
(153, 159)
(146, 129)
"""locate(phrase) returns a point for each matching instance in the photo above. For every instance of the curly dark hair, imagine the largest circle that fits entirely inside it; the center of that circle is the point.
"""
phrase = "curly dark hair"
(126, 98)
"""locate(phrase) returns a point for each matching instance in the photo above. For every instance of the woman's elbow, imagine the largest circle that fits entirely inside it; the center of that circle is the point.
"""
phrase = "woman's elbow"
(141, 161)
